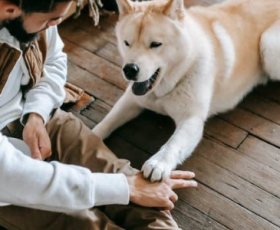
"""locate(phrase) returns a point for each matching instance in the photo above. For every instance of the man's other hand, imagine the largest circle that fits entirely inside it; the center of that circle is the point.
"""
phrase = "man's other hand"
(159, 194)
(36, 137)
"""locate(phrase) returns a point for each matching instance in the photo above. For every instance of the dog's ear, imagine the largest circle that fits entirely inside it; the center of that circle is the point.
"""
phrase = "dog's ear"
(124, 6)
(175, 9)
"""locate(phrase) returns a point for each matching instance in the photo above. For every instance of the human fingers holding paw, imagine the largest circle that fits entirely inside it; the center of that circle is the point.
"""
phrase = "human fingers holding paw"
(159, 194)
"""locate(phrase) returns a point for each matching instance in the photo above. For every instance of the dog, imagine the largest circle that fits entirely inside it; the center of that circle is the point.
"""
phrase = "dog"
(191, 64)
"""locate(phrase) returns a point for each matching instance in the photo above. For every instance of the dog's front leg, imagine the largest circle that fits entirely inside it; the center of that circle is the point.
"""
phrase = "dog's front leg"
(123, 111)
(180, 146)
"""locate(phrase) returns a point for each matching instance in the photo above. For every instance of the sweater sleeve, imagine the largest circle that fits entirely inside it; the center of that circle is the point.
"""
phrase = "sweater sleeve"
(49, 92)
(55, 186)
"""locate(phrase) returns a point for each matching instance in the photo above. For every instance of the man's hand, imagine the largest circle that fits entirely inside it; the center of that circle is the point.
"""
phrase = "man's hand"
(36, 137)
(159, 194)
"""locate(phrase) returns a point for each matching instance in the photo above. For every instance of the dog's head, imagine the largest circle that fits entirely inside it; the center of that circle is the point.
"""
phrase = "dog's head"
(149, 40)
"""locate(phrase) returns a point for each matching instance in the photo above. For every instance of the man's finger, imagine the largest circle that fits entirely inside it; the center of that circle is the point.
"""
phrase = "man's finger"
(173, 197)
(36, 155)
(45, 151)
(169, 205)
(180, 183)
(34, 149)
(44, 146)
(45, 154)
(182, 175)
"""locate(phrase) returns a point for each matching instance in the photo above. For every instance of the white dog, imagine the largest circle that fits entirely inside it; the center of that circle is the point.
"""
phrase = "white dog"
(191, 64)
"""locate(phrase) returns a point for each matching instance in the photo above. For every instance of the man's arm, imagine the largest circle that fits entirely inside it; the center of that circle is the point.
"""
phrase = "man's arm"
(47, 95)
(55, 186)
(49, 91)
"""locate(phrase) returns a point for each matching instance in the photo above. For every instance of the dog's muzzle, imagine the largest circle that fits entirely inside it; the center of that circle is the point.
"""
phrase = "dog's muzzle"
(141, 88)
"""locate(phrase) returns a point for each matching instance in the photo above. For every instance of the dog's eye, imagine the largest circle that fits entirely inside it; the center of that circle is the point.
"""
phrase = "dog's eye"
(126, 43)
(155, 44)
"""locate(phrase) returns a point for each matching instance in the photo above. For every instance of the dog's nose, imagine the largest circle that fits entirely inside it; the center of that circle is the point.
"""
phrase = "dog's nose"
(131, 71)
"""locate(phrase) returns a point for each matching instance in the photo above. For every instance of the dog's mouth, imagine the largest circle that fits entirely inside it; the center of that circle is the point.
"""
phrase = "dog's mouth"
(141, 88)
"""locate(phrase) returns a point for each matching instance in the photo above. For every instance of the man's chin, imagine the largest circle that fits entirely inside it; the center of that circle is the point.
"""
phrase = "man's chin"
(23, 37)
(17, 30)
(27, 38)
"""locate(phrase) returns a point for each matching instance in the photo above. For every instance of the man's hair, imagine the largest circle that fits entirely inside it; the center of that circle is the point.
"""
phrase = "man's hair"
(46, 6)
(37, 6)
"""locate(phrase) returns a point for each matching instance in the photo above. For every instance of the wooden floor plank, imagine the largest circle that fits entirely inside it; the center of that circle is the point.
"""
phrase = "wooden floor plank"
(254, 124)
(89, 123)
(190, 218)
(150, 131)
(82, 38)
(110, 52)
(263, 107)
(105, 29)
(224, 211)
(94, 64)
(126, 150)
(97, 111)
(235, 188)
(92, 84)
(261, 151)
(258, 174)
(225, 132)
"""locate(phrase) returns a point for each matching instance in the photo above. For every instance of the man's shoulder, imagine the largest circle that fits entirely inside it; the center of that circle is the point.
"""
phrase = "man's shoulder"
(51, 35)
(51, 31)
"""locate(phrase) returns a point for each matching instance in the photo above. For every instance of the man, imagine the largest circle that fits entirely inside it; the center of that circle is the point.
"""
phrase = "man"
(32, 76)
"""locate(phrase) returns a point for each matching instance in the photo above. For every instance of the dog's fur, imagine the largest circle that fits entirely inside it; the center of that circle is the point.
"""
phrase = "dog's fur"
(210, 58)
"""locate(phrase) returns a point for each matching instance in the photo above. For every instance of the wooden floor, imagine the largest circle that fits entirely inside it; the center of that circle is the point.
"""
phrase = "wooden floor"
(237, 163)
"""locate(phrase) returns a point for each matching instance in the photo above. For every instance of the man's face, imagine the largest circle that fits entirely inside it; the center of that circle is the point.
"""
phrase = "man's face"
(26, 27)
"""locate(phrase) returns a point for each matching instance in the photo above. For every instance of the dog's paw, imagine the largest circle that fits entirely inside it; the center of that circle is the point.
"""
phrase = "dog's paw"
(156, 170)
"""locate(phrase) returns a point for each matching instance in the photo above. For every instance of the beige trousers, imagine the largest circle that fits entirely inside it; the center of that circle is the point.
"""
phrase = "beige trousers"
(74, 143)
